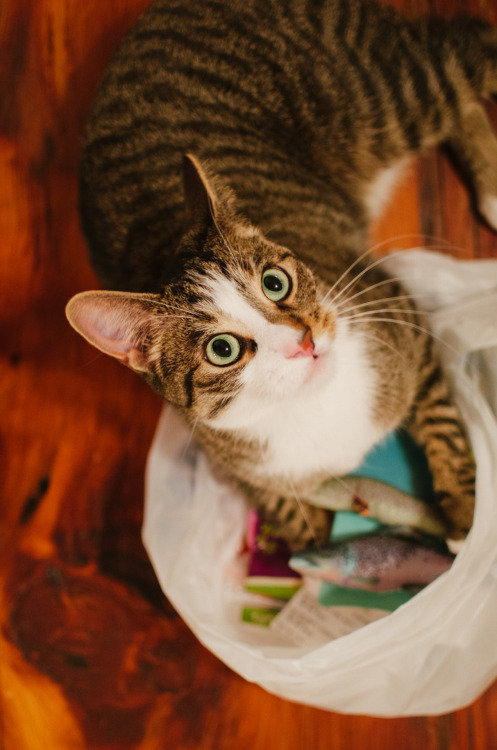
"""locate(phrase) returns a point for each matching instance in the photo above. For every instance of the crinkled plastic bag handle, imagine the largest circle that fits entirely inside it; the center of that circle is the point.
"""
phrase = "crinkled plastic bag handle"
(434, 654)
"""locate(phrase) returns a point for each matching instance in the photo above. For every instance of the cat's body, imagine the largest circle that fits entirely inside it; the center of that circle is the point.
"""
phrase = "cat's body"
(307, 111)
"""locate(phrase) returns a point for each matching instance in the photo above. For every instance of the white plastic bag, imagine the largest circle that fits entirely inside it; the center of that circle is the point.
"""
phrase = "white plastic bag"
(434, 654)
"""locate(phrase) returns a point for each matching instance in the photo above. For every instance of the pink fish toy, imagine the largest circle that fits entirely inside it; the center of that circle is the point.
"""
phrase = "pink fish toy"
(374, 563)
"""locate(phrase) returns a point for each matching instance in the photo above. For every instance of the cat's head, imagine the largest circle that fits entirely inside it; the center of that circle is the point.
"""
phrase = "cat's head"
(240, 326)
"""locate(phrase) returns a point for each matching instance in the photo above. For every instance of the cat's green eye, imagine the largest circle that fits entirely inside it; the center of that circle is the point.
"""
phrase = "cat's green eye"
(276, 284)
(223, 349)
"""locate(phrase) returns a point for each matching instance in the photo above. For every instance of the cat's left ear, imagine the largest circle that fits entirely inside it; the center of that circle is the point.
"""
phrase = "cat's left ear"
(205, 198)
(117, 323)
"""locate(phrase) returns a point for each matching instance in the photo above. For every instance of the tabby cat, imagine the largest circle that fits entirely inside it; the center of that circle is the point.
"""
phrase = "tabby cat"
(236, 153)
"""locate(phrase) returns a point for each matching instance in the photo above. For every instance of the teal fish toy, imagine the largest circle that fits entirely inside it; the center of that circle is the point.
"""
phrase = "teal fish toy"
(374, 563)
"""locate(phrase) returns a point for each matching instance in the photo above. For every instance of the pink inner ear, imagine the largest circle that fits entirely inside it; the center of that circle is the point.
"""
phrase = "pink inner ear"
(112, 324)
(114, 330)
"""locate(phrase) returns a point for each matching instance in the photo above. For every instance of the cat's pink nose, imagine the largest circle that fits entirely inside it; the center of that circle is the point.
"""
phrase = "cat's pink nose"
(306, 347)
(307, 344)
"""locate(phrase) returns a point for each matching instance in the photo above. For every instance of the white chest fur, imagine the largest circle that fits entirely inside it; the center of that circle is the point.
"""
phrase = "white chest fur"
(328, 427)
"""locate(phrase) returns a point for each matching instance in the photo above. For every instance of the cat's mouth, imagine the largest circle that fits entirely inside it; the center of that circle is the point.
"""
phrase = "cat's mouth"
(312, 364)
(299, 354)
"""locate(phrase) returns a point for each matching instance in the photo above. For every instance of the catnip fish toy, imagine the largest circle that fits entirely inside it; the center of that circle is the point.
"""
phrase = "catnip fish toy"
(393, 485)
(386, 503)
(374, 563)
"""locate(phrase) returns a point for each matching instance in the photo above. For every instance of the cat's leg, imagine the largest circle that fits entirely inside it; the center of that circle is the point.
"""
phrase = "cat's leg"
(300, 524)
(475, 145)
(436, 425)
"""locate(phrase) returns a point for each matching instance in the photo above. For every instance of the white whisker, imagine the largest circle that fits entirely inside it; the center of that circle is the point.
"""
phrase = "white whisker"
(380, 301)
(383, 282)
(443, 245)
(416, 236)
(396, 280)
(344, 274)
(405, 311)
(361, 274)
(414, 326)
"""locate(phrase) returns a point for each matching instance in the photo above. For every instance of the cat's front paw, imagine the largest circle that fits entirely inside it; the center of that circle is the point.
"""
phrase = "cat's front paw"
(308, 527)
(458, 510)
(454, 478)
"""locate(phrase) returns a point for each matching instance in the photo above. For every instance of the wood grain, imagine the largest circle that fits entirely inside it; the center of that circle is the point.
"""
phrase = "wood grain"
(92, 656)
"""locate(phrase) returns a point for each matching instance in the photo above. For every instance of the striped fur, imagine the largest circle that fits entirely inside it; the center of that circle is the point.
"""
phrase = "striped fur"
(299, 116)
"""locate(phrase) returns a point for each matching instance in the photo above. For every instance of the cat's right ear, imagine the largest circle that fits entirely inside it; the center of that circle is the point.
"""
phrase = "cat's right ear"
(117, 323)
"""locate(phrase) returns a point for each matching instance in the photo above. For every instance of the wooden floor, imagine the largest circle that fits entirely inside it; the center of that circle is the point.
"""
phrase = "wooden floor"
(91, 653)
